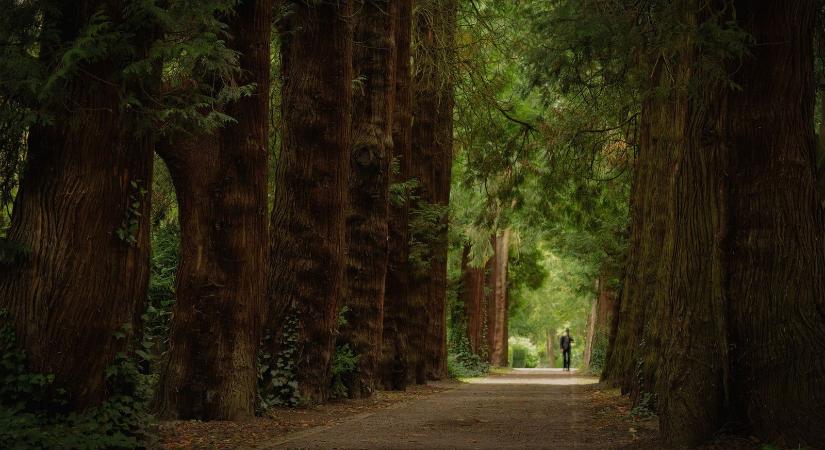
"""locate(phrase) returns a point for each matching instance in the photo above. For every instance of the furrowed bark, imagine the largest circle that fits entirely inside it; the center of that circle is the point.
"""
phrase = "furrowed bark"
(601, 317)
(85, 178)
(221, 182)
(497, 307)
(432, 146)
(396, 363)
(472, 293)
(307, 241)
(737, 304)
(370, 160)
(777, 257)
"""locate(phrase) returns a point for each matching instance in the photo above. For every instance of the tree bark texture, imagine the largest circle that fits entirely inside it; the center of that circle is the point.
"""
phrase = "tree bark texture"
(432, 147)
(472, 294)
(220, 182)
(601, 317)
(85, 178)
(776, 279)
(734, 329)
(370, 160)
(307, 242)
(396, 353)
(497, 305)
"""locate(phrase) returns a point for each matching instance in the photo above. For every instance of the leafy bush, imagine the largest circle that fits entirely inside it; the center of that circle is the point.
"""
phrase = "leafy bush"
(598, 355)
(523, 353)
(277, 378)
(33, 410)
(645, 406)
(158, 314)
(462, 363)
(343, 364)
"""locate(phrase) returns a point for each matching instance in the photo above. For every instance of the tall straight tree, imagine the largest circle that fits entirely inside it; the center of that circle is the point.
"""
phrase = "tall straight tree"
(739, 281)
(472, 294)
(398, 314)
(307, 240)
(220, 183)
(81, 211)
(432, 139)
(498, 299)
(370, 160)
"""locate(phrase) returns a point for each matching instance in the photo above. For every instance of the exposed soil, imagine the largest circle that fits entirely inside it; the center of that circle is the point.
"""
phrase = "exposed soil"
(518, 409)
(525, 408)
(260, 432)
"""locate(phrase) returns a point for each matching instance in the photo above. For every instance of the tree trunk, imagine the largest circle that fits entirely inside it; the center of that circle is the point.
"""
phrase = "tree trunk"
(220, 181)
(497, 307)
(600, 319)
(432, 147)
(736, 304)
(370, 161)
(82, 215)
(777, 257)
(472, 292)
(307, 241)
(551, 348)
(395, 361)
(591, 333)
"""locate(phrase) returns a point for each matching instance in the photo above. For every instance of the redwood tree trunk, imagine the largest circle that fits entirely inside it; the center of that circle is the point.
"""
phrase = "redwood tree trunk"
(777, 257)
(396, 361)
(367, 252)
(472, 293)
(738, 291)
(85, 179)
(307, 242)
(220, 181)
(432, 144)
(497, 307)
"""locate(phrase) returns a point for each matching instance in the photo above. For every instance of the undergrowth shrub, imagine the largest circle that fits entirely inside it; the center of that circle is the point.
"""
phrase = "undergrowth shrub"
(523, 353)
(343, 362)
(598, 353)
(33, 411)
(277, 379)
(463, 363)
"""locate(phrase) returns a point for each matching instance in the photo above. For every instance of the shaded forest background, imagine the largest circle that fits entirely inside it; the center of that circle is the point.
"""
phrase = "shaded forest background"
(212, 209)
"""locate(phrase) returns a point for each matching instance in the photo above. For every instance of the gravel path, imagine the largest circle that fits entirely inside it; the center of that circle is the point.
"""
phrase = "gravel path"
(525, 408)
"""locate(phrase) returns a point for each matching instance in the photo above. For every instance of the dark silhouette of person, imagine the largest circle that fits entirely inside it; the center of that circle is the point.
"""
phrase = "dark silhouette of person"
(566, 343)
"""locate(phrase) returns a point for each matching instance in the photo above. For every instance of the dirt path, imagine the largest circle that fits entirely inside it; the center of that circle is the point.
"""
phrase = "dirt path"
(526, 408)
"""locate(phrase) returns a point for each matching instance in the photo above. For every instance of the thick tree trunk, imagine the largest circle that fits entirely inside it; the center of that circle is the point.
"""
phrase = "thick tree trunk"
(472, 293)
(737, 305)
(591, 333)
(497, 306)
(396, 361)
(776, 277)
(432, 149)
(82, 214)
(221, 181)
(307, 252)
(653, 163)
(601, 317)
(370, 161)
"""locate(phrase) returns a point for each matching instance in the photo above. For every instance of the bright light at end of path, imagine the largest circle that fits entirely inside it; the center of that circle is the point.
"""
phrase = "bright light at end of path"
(537, 376)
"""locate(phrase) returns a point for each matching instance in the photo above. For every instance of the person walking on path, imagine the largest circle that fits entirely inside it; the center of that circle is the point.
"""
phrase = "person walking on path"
(566, 344)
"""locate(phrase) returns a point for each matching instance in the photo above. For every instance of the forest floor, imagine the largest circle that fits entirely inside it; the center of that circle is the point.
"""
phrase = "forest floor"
(522, 408)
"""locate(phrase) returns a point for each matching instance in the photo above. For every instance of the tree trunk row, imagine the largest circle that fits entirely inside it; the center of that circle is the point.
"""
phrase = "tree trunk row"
(721, 315)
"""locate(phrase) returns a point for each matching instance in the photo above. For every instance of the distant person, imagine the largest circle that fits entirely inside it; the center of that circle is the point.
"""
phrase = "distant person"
(566, 344)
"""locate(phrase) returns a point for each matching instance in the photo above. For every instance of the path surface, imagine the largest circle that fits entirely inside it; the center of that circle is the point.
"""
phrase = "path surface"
(526, 408)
